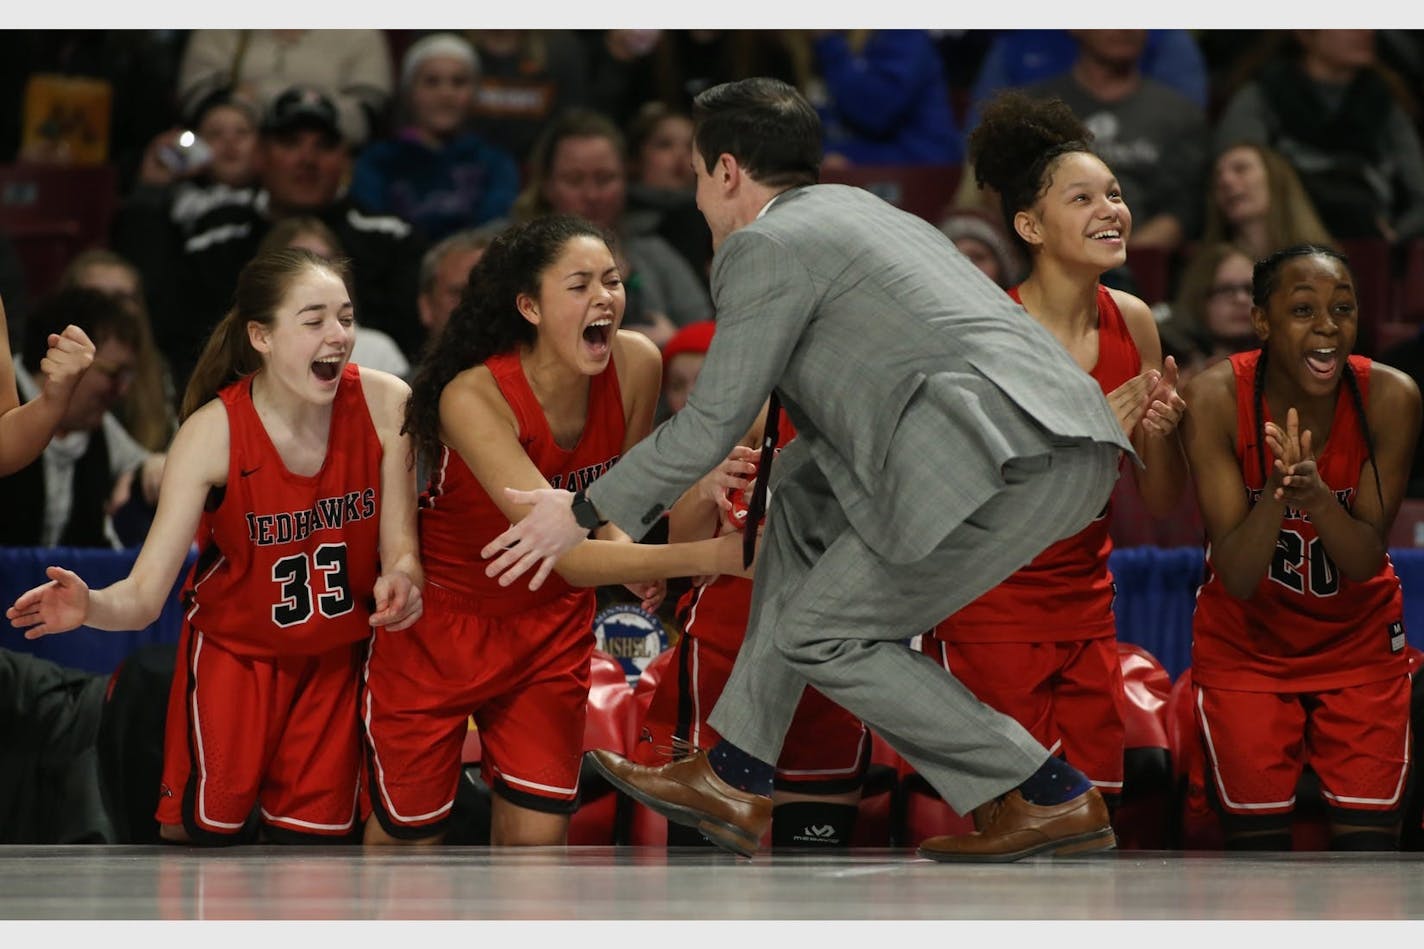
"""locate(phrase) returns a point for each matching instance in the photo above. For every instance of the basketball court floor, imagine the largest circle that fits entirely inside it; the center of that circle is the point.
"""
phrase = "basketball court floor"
(688, 895)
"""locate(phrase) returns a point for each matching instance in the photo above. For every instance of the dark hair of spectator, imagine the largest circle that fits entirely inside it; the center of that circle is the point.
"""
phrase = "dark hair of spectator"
(101, 316)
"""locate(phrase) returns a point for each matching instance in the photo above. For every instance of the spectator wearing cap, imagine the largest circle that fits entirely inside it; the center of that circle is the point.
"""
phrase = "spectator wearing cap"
(302, 165)
(683, 357)
(436, 173)
(352, 68)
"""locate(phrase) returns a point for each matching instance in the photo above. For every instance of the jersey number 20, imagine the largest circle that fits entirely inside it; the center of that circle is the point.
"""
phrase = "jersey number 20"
(1297, 565)
(294, 575)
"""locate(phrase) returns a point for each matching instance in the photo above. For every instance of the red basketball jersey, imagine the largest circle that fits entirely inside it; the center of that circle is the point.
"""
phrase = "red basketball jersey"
(717, 613)
(286, 563)
(1306, 627)
(458, 517)
(1066, 592)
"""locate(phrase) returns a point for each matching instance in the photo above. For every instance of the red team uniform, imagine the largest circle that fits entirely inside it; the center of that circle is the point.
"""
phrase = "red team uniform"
(1312, 667)
(518, 660)
(278, 605)
(826, 750)
(1041, 647)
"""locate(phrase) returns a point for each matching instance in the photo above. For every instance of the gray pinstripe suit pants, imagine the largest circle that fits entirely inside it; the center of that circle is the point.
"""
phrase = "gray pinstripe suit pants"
(829, 612)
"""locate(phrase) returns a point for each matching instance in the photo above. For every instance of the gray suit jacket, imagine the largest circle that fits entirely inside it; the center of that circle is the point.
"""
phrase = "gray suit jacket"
(892, 354)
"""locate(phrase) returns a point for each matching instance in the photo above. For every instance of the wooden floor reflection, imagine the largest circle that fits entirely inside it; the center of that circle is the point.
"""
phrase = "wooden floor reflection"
(631, 883)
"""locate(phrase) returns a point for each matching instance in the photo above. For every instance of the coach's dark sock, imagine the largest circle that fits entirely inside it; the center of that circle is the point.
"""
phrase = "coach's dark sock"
(740, 769)
(1054, 782)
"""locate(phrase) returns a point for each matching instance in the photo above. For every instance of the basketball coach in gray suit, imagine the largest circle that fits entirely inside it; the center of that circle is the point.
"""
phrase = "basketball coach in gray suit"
(944, 438)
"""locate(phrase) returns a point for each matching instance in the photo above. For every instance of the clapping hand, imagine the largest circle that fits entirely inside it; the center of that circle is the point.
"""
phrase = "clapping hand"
(1130, 401)
(1165, 406)
(1295, 475)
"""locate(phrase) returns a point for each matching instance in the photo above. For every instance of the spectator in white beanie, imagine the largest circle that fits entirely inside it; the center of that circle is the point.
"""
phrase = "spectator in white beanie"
(985, 245)
(435, 172)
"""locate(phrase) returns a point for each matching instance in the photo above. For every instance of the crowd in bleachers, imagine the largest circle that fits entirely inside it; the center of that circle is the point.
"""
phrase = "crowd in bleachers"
(141, 170)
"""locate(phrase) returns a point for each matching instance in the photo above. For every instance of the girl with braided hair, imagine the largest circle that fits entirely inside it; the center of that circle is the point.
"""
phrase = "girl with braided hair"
(1042, 647)
(1300, 452)
(531, 384)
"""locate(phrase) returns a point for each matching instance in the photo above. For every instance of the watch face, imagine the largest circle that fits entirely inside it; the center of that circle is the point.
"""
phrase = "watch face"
(584, 513)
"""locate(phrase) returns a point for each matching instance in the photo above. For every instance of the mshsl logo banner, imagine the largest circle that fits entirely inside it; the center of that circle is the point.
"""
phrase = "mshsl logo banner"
(630, 634)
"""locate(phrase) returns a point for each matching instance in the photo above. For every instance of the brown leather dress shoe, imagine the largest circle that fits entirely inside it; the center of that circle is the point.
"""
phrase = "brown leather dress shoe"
(688, 791)
(1010, 828)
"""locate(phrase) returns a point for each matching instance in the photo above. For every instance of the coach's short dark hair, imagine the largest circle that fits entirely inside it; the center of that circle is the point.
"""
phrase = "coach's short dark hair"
(769, 127)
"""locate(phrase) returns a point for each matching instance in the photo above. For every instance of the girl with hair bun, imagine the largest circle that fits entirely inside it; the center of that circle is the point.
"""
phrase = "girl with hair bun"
(1300, 451)
(291, 471)
(1041, 647)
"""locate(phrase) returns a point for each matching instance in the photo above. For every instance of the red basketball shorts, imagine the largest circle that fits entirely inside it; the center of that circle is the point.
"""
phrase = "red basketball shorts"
(525, 680)
(1356, 740)
(274, 733)
(1068, 695)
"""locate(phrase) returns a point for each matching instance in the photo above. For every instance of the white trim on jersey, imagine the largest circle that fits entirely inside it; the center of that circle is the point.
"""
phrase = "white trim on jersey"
(199, 582)
(1216, 771)
(202, 814)
(534, 785)
(1398, 788)
(852, 768)
(696, 737)
(274, 819)
(376, 756)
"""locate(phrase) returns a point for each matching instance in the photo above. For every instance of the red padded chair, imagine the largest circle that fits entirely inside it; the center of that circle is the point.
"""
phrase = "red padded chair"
(923, 813)
(876, 819)
(644, 827)
(1145, 815)
(471, 753)
(1199, 827)
(610, 706)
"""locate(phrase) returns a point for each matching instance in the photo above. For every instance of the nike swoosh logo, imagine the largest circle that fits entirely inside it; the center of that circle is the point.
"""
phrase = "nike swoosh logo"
(247, 471)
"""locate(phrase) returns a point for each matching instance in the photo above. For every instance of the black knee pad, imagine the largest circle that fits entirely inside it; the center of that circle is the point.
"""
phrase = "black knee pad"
(1377, 840)
(1373, 831)
(1257, 831)
(812, 824)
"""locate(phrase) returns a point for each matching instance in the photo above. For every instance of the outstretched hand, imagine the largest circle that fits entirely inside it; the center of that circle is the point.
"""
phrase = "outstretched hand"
(54, 607)
(545, 534)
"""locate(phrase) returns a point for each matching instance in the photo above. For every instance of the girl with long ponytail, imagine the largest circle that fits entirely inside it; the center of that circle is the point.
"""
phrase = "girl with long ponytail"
(292, 473)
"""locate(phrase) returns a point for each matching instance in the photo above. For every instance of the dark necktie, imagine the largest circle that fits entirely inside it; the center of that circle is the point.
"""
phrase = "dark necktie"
(757, 507)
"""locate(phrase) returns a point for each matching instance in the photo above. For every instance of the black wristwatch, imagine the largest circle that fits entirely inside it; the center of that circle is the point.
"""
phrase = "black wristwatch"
(586, 514)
